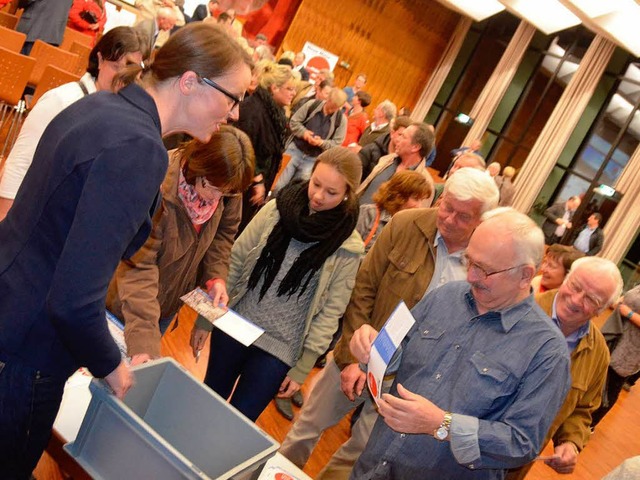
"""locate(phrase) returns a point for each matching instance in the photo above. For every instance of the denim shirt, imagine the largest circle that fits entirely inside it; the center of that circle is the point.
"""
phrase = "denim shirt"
(503, 375)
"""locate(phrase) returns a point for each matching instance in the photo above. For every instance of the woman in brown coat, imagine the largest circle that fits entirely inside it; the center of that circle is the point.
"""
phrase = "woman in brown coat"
(191, 241)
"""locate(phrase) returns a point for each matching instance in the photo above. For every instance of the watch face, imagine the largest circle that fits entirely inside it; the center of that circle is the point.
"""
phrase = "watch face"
(442, 433)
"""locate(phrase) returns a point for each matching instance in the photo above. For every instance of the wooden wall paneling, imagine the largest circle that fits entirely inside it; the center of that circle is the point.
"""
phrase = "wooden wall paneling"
(396, 43)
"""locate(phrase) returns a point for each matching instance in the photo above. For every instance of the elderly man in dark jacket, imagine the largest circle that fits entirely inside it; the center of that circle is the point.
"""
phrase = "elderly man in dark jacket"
(558, 220)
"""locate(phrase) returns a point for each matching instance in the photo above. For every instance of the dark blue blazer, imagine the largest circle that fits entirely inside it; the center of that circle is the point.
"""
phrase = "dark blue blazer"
(85, 202)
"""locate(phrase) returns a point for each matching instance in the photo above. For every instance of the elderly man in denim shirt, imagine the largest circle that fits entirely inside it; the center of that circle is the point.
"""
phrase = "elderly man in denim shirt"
(481, 374)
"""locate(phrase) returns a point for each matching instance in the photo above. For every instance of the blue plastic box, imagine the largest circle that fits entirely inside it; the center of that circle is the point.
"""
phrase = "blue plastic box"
(169, 426)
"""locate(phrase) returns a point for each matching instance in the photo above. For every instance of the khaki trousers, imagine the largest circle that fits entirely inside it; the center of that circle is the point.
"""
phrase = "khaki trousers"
(326, 406)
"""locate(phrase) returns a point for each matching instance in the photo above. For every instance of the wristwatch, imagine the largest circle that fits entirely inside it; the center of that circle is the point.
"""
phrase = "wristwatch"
(442, 432)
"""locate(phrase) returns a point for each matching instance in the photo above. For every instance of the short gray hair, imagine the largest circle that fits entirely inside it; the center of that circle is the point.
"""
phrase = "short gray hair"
(471, 184)
(525, 233)
(604, 267)
(337, 96)
(480, 163)
(389, 108)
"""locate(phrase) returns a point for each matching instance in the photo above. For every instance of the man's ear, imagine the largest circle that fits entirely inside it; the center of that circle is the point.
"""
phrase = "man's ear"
(527, 274)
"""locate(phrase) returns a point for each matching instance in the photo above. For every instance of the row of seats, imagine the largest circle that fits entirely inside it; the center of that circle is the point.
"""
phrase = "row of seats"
(45, 68)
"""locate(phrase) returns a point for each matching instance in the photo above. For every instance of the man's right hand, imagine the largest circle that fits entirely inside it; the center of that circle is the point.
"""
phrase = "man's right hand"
(361, 342)
(120, 380)
(307, 136)
(352, 381)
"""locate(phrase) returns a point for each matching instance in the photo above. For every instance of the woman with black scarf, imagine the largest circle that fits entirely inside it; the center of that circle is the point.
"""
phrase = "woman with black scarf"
(292, 271)
(262, 118)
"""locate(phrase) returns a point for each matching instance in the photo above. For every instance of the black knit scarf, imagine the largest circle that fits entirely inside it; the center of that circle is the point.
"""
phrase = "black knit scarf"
(326, 231)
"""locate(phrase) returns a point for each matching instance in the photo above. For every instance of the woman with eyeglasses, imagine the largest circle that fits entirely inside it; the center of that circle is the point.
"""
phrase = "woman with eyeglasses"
(85, 203)
(191, 239)
(262, 117)
(115, 50)
(292, 271)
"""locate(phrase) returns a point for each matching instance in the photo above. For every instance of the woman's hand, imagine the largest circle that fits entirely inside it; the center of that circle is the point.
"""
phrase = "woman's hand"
(218, 292)
(120, 380)
(288, 388)
(259, 194)
(140, 358)
(198, 338)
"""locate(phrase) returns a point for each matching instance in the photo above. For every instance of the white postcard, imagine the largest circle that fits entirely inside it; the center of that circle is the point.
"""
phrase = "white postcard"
(385, 345)
(225, 319)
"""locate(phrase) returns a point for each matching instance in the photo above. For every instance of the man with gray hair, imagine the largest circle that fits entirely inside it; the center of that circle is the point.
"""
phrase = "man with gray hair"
(590, 287)
(382, 115)
(419, 250)
(158, 29)
(480, 375)
(464, 160)
(316, 126)
(152, 7)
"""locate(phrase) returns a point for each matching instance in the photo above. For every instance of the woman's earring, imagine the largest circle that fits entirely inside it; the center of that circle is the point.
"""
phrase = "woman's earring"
(346, 197)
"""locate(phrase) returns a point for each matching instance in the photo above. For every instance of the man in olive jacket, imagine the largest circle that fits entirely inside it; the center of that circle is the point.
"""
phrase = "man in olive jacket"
(590, 287)
(417, 251)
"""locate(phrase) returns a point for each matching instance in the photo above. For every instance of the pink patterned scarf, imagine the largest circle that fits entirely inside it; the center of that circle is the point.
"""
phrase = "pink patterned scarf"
(199, 209)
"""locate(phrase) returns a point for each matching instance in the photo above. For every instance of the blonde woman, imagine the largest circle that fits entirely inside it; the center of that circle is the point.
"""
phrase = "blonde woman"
(262, 118)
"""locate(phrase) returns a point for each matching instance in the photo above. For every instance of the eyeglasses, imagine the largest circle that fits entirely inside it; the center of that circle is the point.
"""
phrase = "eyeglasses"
(234, 98)
(480, 271)
(589, 301)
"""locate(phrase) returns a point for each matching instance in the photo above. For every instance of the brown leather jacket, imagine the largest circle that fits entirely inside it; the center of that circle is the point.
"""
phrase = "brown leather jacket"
(398, 267)
(173, 261)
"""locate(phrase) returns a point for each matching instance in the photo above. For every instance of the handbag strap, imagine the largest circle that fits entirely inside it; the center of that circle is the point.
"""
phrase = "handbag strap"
(83, 87)
(374, 228)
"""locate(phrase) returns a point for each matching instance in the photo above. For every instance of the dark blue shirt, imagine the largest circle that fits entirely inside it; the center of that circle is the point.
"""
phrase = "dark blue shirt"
(503, 375)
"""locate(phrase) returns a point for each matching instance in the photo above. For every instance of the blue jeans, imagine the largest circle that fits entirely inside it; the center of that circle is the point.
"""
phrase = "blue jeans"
(261, 374)
(29, 403)
(165, 322)
(299, 166)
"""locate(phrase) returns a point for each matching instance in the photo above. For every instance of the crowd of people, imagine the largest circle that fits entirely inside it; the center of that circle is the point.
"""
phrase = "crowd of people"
(96, 214)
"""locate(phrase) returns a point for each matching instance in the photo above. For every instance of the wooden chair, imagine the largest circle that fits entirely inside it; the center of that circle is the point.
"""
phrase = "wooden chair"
(71, 35)
(51, 78)
(11, 39)
(83, 57)
(46, 54)
(9, 21)
(11, 88)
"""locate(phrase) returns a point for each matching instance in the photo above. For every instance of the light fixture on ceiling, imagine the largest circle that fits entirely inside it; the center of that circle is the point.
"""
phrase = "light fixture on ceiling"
(616, 20)
(478, 10)
(548, 16)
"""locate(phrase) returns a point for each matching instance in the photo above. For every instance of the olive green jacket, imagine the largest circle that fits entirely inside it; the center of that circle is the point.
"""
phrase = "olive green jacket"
(337, 278)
